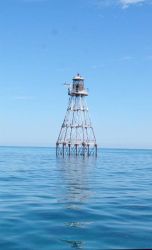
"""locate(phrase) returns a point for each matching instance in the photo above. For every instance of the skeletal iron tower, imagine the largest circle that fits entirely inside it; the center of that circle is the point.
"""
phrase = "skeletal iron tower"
(77, 136)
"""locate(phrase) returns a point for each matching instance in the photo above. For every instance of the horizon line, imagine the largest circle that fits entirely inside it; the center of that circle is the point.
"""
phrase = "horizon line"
(29, 146)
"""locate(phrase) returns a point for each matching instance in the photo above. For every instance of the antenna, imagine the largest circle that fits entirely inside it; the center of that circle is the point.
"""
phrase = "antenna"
(67, 84)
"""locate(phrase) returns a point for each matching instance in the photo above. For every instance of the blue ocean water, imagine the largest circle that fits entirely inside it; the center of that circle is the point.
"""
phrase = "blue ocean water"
(75, 203)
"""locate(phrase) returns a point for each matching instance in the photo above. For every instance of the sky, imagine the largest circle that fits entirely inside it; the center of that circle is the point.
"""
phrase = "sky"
(44, 43)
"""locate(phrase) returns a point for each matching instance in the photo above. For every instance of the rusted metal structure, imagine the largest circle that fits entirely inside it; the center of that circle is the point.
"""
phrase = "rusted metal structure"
(77, 136)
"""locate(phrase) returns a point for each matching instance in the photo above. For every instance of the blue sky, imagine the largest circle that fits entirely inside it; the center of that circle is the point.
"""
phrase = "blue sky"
(44, 43)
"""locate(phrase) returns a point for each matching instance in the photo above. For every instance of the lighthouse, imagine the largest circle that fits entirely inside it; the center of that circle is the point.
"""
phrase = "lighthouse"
(77, 135)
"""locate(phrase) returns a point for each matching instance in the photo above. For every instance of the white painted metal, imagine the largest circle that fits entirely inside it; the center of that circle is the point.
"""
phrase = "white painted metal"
(77, 135)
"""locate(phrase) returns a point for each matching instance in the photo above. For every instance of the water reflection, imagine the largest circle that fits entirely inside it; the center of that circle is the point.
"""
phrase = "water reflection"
(76, 175)
(75, 244)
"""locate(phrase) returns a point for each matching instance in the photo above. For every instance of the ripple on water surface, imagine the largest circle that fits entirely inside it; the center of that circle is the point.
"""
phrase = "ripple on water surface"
(75, 203)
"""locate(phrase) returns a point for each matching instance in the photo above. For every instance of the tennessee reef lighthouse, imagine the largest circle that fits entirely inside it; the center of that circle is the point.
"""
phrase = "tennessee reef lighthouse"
(76, 135)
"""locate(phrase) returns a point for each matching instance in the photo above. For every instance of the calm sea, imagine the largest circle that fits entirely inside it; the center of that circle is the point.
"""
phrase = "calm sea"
(75, 203)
